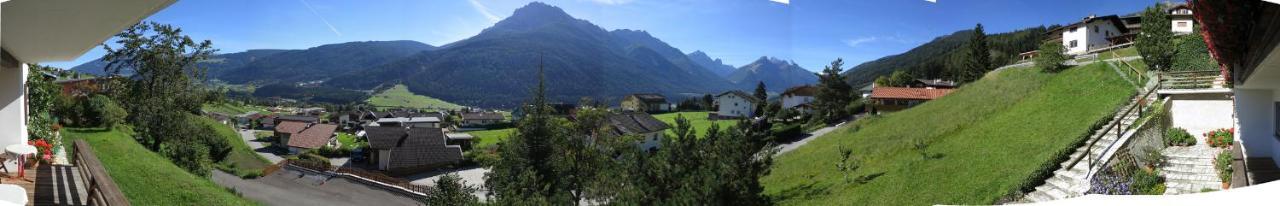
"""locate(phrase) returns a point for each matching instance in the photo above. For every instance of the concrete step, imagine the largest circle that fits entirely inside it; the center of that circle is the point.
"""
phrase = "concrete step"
(1068, 184)
(1038, 196)
(1053, 193)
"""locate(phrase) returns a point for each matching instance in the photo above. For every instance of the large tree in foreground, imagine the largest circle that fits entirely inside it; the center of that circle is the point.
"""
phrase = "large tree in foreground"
(164, 78)
(1155, 43)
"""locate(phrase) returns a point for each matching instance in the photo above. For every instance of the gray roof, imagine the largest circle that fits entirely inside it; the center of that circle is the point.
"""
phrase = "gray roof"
(482, 116)
(635, 123)
(298, 118)
(742, 94)
(410, 119)
(413, 147)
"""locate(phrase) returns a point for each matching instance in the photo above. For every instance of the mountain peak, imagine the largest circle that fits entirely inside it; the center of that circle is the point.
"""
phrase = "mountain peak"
(541, 11)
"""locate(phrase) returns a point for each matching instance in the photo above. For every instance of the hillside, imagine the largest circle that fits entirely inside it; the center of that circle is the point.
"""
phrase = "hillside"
(716, 66)
(321, 62)
(216, 65)
(499, 66)
(399, 96)
(777, 75)
(935, 58)
(984, 141)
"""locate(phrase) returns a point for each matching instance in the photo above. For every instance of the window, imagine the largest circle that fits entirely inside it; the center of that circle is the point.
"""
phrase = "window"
(1075, 29)
(1072, 44)
(1182, 24)
(1095, 28)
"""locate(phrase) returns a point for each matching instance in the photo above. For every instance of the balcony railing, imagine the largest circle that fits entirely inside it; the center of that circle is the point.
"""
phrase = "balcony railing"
(1190, 80)
(101, 188)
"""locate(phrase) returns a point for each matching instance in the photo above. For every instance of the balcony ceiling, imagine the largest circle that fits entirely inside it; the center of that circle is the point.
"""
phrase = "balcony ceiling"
(61, 30)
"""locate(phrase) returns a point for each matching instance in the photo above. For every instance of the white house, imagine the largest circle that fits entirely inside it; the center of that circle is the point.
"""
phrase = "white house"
(1251, 60)
(736, 104)
(428, 122)
(1090, 33)
(799, 95)
(1182, 21)
(641, 124)
(34, 31)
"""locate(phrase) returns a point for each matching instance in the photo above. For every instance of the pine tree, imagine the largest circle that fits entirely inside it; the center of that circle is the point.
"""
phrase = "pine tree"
(524, 174)
(978, 61)
(762, 95)
(1155, 43)
(833, 93)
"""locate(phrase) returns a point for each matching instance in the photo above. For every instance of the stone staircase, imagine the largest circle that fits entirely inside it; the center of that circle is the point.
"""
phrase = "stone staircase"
(1190, 169)
(1072, 182)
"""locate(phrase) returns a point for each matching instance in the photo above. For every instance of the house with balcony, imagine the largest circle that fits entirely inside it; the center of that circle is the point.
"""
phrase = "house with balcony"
(34, 31)
(1090, 33)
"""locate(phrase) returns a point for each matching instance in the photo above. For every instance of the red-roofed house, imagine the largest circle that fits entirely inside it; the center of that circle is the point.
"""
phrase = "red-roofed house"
(889, 99)
(299, 137)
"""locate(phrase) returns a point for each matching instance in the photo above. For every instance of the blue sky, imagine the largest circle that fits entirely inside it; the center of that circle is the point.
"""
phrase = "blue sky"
(810, 32)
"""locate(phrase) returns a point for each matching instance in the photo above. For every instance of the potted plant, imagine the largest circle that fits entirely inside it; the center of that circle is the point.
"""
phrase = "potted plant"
(44, 153)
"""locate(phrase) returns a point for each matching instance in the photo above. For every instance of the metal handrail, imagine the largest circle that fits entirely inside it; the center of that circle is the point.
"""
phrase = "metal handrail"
(1088, 152)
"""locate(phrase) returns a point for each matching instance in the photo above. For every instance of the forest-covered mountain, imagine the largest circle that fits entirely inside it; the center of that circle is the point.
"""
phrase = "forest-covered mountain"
(714, 65)
(322, 62)
(216, 65)
(777, 75)
(499, 66)
(935, 58)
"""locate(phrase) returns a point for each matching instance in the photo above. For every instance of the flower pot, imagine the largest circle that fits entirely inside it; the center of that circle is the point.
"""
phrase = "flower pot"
(1226, 185)
(32, 163)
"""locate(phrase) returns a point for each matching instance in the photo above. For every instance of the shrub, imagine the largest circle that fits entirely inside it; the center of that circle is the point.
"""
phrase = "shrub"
(1051, 57)
(484, 156)
(192, 157)
(1192, 55)
(1178, 137)
(1223, 164)
(328, 151)
(1147, 182)
(787, 131)
(1220, 137)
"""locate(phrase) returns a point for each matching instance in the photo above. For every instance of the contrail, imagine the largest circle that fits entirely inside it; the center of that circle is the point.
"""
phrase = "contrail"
(326, 22)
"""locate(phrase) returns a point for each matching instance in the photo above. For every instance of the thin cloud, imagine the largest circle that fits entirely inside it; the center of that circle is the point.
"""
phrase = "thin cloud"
(326, 22)
(859, 41)
(484, 10)
(787, 2)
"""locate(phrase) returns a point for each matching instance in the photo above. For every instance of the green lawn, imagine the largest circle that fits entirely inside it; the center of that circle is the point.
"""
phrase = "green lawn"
(985, 141)
(698, 120)
(242, 161)
(1125, 52)
(348, 140)
(147, 178)
(490, 137)
(399, 96)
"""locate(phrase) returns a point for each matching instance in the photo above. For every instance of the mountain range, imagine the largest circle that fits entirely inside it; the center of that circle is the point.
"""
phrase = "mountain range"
(935, 58)
(499, 67)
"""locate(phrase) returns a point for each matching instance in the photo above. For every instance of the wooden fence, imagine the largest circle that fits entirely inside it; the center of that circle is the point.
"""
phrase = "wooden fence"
(102, 189)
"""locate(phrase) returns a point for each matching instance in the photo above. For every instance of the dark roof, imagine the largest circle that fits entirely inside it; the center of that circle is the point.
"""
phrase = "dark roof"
(291, 127)
(413, 146)
(313, 136)
(298, 118)
(635, 123)
(650, 98)
(937, 82)
(806, 90)
(1115, 20)
(742, 94)
(481, 116)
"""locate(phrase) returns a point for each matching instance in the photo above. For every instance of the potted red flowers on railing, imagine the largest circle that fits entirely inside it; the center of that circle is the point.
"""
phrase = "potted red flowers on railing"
(44, 152)
(1220, 137)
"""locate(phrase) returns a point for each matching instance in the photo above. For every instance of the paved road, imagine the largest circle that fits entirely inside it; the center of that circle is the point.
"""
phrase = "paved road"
(470, 176)
(787, 147)
(288, 187)
(258, 147)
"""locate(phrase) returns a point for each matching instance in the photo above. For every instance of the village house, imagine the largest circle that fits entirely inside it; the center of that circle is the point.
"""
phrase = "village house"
(933, 83)
(399, 150)
(298, 137)
(295, 118)
(480, 119)
(427, 122)
(651, 103)
(1091, 33)
(799, 97)
(736, 104)
(890, 99)
(80, 87)
(1182, 21)
(640, 124)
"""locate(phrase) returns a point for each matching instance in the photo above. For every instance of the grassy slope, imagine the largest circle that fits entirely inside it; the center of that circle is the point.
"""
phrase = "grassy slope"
(232, 109)
(148, 178)
(243, 159)
(490, 137)
(698, 120)
(991, 136)
(399, 96)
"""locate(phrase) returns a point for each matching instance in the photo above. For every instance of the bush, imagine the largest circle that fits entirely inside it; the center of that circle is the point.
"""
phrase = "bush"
(218, 147)
(328, 151)
(1147, 182)
(484, 156)
(1192, 55)
(1178, 137)
(192, 157)
(1220, 137)
(1223, 164)
(786, 131)
(112, 113)
(1051, 57)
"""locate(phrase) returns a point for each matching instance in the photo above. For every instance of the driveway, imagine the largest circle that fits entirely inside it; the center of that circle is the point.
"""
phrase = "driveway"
(289, 187)
(258, 147)
(787, 147)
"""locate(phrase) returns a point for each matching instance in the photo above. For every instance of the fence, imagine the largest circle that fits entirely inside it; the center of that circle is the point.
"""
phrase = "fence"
(1191, 79)
(1139, 154)
(102, 189)
(367, 177)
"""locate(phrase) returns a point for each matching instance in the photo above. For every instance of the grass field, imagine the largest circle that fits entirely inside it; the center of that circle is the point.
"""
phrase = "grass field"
(147, 178)
(399, 96)
(698, 120)
(1125, 52)
(232, 108)
(983, 142)
(242, 161)
(490, 137)
(348, 140)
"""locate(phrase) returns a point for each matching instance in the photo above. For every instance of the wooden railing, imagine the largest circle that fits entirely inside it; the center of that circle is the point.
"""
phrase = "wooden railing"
(101, 188)
(1190, 79)
(1140, 77)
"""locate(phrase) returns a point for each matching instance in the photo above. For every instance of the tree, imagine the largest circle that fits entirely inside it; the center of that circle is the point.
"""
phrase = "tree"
(1051, 57)
(525, 174)
(1155, 42)
(108, 114)
(901, 78)
(42, 96)
(164, 84)
(833, 93)
(451, 190)
(978, 59)
(708, 102)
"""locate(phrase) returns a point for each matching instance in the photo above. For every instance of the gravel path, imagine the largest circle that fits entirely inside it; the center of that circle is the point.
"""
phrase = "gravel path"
(787, 147)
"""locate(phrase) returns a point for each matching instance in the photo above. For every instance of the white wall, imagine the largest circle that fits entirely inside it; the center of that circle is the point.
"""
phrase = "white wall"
(1186, 28)
(1088, 38)
(1255, 110)
(734, 106)
(1200, 113)
(792, 101)
(651, 140)
(1078, 34)
(13, 108)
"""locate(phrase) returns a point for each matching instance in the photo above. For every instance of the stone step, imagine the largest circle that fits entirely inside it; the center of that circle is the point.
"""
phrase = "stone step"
(1188, 186)
(1066, 183)
(1190, 177)
(1194, 162)
(1052, 192)
(1038, 196)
